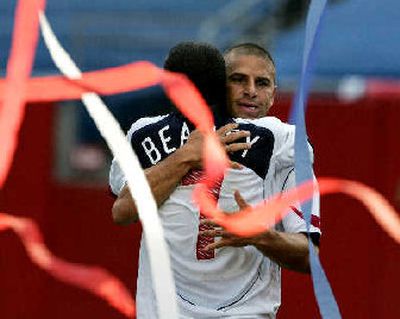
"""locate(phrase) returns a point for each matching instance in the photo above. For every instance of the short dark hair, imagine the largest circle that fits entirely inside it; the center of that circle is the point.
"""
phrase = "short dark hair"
(204, 65)
(250, 48)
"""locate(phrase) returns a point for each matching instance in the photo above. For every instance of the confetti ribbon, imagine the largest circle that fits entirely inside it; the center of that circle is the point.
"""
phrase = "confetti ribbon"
(103, 82)
(303, 168)
(255, 220)
(120, 147)
(93, 279)
(19, 67)
(182, 92)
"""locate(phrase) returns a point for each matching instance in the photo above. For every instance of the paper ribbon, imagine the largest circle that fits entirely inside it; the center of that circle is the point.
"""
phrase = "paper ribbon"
(19, 67)
(182, 93)
(93, 279)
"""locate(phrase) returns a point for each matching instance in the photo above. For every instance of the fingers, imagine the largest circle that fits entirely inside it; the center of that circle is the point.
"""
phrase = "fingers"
(218, 244)
(227, 242)
(208, 222)
(229, 138)
(229, 133)
(236, 165)
(240, 200)
(214, 233)
(222, 131)
(227, 239)
(232, 136)
(237, 147)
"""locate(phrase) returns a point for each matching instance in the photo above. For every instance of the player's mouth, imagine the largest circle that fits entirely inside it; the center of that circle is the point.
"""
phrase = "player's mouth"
(249, 108)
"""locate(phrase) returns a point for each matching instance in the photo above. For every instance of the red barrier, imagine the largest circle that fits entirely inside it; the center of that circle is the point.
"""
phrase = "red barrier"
(179, 91)
(359, 258)
(359, 141)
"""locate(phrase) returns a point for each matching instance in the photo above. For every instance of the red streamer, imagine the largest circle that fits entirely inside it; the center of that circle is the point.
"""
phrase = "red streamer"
(134, 76)
(17, 90)
(104, 82)
(260, 218)
(19, 68)
(93, 279)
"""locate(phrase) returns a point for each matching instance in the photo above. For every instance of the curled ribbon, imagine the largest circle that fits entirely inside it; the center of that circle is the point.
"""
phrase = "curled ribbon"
(303, 168)
(255, 220)
(189, 101)
(109, 128)
(19, 68)
(93, 279)
(103, 82)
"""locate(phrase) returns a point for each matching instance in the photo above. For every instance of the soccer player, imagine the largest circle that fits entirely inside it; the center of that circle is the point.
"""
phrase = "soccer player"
(251, 84)
(234, 282)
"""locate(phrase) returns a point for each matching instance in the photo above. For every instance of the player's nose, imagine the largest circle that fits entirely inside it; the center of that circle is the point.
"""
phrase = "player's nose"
(250, 88)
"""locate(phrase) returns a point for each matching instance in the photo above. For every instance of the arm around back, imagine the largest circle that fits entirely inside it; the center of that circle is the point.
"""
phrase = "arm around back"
(163, 178)
(166, 175)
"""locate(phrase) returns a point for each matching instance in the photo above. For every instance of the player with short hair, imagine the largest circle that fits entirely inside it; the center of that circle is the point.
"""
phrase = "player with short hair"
(251, 84)
(251, 80)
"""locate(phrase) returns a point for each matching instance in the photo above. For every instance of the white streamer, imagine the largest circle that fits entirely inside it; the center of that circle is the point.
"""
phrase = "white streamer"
(147, 208)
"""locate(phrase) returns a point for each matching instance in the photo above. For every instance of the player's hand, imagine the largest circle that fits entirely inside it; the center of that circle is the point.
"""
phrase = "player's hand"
(228, 239)
(228, 135)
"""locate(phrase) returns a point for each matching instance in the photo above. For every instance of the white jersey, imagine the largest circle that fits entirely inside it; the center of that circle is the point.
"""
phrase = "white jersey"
(230, 282)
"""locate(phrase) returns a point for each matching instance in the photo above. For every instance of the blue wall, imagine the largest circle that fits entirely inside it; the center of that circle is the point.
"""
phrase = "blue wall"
(358, 36)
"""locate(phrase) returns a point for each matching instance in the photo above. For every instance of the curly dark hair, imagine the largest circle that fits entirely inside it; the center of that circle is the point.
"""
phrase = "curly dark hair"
(204, 65)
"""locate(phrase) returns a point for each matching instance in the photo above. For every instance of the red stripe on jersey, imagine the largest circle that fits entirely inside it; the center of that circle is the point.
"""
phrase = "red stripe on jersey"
(193, 177)
(315, 220)
(204, 241)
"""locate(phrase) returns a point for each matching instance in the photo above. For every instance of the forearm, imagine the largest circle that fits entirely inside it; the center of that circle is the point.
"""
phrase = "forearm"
(163, 178)
(289, 250)
(167, 175)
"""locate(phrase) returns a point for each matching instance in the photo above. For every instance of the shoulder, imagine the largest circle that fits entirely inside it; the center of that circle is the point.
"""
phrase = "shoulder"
(283, 133)
(284, 138)
(269, 122)
(278, 128)
(144, 122)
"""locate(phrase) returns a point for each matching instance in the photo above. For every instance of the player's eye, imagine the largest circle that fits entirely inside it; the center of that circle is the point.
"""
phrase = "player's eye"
(237, 78)
(263, 82)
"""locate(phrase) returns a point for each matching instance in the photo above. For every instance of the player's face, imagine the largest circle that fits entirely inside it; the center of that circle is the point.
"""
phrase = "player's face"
(251, 85)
